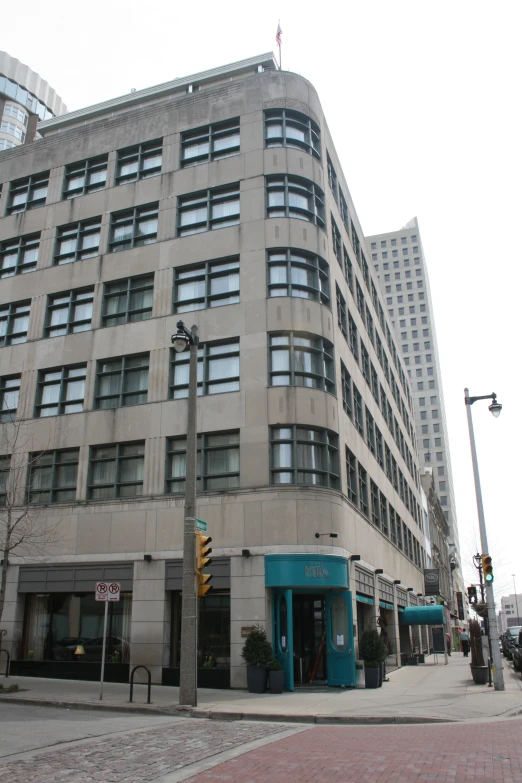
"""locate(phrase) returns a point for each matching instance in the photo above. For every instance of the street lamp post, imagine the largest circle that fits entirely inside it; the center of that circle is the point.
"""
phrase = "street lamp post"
(495, 408)
(188, 688)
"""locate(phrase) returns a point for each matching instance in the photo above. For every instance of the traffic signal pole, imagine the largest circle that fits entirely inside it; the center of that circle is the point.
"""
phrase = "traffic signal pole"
(188, 692)
(498, 676)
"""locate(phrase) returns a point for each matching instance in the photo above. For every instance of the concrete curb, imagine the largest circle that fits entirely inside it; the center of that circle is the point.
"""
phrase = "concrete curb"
(189, 712)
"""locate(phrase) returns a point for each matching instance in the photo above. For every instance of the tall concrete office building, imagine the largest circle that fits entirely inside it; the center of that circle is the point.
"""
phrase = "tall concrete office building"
(25, 100)
(217, 199)
(398, 260)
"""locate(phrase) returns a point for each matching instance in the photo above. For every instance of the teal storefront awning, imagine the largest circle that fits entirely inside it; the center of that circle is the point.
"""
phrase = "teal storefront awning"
(364, 599)
(422, 615)
(385, 605)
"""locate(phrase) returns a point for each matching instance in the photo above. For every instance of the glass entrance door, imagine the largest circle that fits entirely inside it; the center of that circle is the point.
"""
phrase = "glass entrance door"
(309, 639)
(340, 664)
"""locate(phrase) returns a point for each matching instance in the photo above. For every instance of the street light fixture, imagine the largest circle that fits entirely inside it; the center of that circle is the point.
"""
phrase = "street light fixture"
(188, 688)
(495, 408)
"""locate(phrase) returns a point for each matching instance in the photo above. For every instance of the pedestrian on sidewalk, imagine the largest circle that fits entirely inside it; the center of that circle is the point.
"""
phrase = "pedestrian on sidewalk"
(464, 641)
(448, 643)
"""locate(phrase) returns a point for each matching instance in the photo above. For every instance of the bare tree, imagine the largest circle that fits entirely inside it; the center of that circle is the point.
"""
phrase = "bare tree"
(25, 529)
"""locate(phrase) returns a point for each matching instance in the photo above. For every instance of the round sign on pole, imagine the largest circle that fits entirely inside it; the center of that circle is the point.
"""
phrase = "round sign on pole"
(101, 591)
(114, 591)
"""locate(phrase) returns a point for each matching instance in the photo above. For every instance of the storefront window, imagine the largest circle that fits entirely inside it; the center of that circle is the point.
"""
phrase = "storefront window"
(65, 627)
(213, 630)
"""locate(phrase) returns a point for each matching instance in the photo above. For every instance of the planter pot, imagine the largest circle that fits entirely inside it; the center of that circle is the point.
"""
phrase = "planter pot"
(479, 674)
(256, 678)
(372, 677)
(421, 658)
(277, 680)
(412, 660)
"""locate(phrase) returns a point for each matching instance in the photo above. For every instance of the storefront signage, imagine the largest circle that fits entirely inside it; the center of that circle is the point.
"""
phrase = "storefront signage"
(316, 570)
(245, 630)
(301, 570)
(431, 581)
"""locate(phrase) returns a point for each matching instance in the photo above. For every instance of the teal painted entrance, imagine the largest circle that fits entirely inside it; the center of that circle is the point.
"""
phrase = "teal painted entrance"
(312, 624)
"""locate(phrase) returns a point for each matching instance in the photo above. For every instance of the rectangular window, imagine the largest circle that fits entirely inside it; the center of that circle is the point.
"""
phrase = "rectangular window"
(87, 176)
(77, 241)
(343, 209)
(218, 369)
(139, 162)
(354, 347)
(370, 431)
(69, 312)
(9, 394)
(28, 193)
(387, 459)
(18, 256)
(351, 472)
(393, 525)
(363, 490)
(210, 284)
(285, 128)
(299, 274)
(384, 513)
(212, 142)
(5, 467)
(122, 381)
(336, 241)
(301, 360)
(295, 197)
(304, 456)
(60, 390)
(125, 301)
(217, 462)
(332, 177)
(348, 269)
(134, 228)
(374, 494)
(379, 447)
(341, 310)
(52, 476)
(14, 323)
(208, 210)
(358, 410)
(365, 363)
(116, 471)
(346, 386)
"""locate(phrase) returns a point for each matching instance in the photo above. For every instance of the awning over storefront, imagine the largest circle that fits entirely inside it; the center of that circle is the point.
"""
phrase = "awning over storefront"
(385, 605)
(306, 571)
(422, 615)
(364, 599)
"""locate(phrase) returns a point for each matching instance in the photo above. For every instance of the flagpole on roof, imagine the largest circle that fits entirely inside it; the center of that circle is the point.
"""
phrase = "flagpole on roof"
(278, 40)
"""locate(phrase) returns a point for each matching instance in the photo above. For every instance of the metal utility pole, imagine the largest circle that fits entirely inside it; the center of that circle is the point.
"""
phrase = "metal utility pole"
(188, 688)
(495, 408)
(516, 598)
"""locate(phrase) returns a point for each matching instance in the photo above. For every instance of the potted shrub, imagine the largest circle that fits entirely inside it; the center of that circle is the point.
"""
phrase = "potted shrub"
(479, 670)
(276, 676)
(257, 652)
(372, 650)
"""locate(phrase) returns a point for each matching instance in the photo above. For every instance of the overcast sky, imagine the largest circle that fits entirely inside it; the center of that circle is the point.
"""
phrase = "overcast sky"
(423, 102)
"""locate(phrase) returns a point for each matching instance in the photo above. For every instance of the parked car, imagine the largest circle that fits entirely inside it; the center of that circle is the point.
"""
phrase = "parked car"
(509, 639)
(516, 652)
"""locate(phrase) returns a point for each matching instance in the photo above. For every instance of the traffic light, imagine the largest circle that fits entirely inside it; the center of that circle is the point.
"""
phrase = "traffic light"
(203, 560)
(487, 568)
(472, 594)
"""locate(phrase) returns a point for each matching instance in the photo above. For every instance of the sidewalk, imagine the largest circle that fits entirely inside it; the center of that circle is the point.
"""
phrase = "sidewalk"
(414, 694)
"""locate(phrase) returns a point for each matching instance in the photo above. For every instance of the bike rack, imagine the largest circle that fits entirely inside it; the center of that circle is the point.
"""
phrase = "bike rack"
(8, 664)
(149, 682)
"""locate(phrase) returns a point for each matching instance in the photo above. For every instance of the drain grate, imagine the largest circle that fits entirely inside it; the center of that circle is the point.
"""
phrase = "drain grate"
(499, 758)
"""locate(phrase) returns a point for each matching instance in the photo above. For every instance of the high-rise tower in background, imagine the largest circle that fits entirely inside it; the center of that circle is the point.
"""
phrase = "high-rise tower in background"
(25, 100)
(398, 259)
